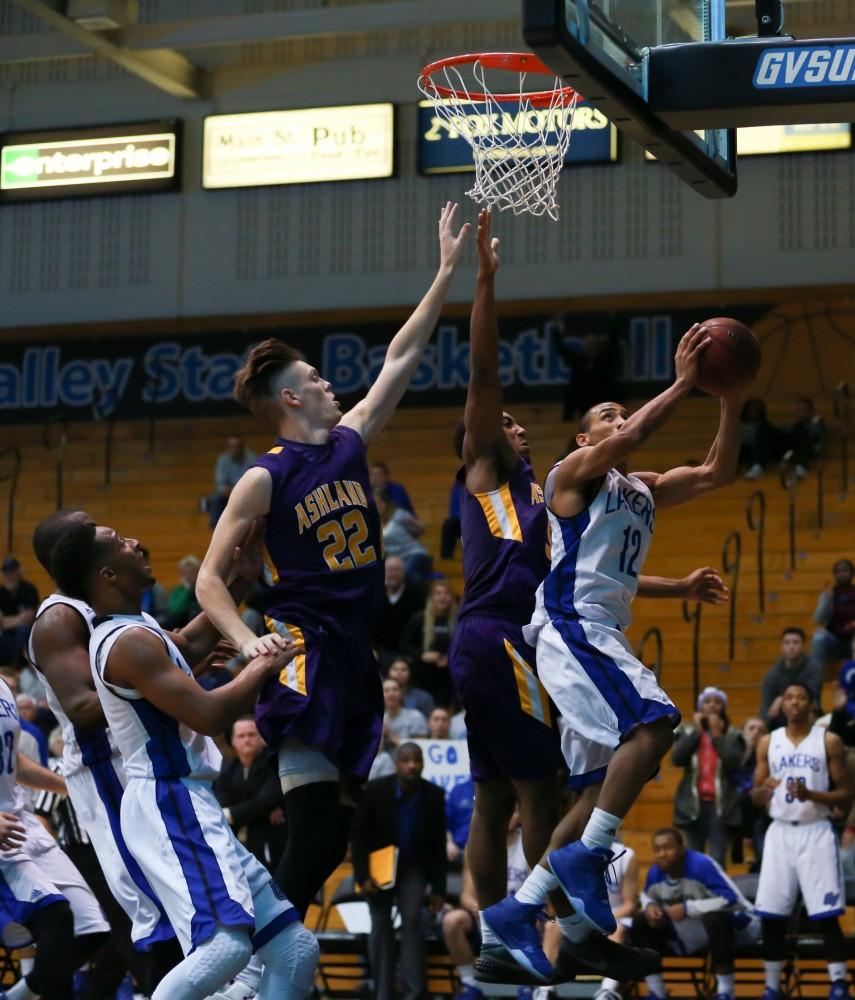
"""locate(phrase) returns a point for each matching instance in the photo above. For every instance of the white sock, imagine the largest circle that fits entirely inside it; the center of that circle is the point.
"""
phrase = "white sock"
(725, 983)
(537, 886)
(467, 974)
(27, 965)
(772, 973)
(20, 991)
(487, 936)
(655, 984)
(574, 928)
(612, 985)
(836, 971)
(602, 830)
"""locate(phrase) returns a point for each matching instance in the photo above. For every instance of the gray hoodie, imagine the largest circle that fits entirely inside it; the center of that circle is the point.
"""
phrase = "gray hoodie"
(805, 670)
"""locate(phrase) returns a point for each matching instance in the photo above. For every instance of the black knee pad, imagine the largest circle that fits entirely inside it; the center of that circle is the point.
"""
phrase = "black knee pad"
(53, 969)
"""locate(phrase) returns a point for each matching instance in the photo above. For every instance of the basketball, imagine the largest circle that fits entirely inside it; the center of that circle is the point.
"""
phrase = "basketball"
(731, 360)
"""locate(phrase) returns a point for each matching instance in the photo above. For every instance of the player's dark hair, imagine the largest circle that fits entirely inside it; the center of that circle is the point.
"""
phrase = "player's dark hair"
(585, 420)
(408, 747)
(804, 687)
(264, 364)
(457, 439)
(75, 558)
(794, 630)
(49, 531)
(670, 831)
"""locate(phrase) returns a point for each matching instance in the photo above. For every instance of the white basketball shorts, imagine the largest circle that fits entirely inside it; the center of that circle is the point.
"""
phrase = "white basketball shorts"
(806, 858)
(600, 689)
(96, 794)
(57, 868)
(202, 875)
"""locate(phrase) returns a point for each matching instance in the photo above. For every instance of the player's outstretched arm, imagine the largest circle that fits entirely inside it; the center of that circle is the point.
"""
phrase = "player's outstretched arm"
(200, 637)
(589, 463)
(61, 645)
(687, 483)
(702, 584)
(139, 660)
(486, 451)
(248, 502)
(33, 775)
(405, 351)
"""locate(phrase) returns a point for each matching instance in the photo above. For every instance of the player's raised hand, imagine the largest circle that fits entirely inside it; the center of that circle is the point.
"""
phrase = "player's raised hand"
(275, 661)
(488, 247)
(692, 344)
(451, 245)
(12, 832)
(706, 585)
(269, 644)
(248, 557)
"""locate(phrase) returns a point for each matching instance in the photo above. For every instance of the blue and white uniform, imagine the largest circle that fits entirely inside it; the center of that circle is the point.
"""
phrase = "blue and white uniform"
(584, 660)
(38, 873)
(704, 888)
(93, 771)
(172, 823)
(800, 851)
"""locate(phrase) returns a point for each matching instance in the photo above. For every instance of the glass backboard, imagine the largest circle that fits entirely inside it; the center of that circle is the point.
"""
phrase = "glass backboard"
(600, 47)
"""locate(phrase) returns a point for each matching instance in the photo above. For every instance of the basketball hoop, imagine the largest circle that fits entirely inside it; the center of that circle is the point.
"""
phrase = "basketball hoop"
(518, 152)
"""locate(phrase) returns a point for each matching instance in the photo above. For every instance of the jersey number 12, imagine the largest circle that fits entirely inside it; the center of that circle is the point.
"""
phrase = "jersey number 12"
(628, 559)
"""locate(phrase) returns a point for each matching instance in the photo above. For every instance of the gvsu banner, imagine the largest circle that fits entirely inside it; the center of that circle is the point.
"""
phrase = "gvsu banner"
(443, 150)
(192, 376)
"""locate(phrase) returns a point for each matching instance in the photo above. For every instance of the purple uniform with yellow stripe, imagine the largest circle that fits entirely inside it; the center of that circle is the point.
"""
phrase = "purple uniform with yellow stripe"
(509, 719)
(324, 539)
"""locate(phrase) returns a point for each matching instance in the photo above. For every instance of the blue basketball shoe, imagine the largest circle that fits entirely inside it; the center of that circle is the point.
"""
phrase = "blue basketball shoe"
(515, 925)
(582, 874)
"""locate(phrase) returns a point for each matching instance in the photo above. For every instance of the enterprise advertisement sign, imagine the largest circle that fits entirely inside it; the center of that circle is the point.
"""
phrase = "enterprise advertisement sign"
(306, 146)
(94, 161)
(443, 150)
(793, 138)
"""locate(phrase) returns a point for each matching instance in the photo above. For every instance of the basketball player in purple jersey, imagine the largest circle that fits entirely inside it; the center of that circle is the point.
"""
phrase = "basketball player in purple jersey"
(514, 744)
(324, 711)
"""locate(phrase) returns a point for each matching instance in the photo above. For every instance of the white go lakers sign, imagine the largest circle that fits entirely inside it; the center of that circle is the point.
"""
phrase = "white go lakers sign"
(97, 161)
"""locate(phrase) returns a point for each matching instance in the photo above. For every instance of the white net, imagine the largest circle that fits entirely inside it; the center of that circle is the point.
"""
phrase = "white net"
(518, 148)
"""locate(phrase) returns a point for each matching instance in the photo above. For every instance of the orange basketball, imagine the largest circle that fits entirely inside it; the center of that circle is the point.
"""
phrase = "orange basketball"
(731, 360)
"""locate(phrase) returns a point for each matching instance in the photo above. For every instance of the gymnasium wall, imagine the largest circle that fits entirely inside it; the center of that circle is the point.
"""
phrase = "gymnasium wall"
(628, 229)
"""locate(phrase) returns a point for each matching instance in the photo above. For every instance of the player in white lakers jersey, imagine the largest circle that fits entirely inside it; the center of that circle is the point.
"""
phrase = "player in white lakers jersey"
(220, 900)
(33, 906)
(801, 775)
(616, 722)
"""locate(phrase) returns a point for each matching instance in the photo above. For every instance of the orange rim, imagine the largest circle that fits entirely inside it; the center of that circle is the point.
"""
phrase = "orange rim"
(513, 62)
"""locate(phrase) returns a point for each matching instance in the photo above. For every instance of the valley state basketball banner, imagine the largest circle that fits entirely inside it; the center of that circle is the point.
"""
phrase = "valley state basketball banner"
(133, 377)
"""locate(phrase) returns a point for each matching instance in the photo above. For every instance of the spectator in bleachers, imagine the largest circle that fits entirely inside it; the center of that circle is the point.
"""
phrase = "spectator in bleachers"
(710, 750)
(458, 725)
(753, 820)
(399, 724)
(248, 790)
(155, 601)
(439, 724)
(450, 530)
(427, 638)
(459, 806)
(408, 812)
(689, 905)
(404, 598)
(593, 361)
(413, 697)
(806, 435)
(762, 441)
(835, 616)
(19, 601)
(460, 925)
(401, 533)
(793, 665)
(27, 716)
(378, 477)
(182, 606)
(231, 465)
